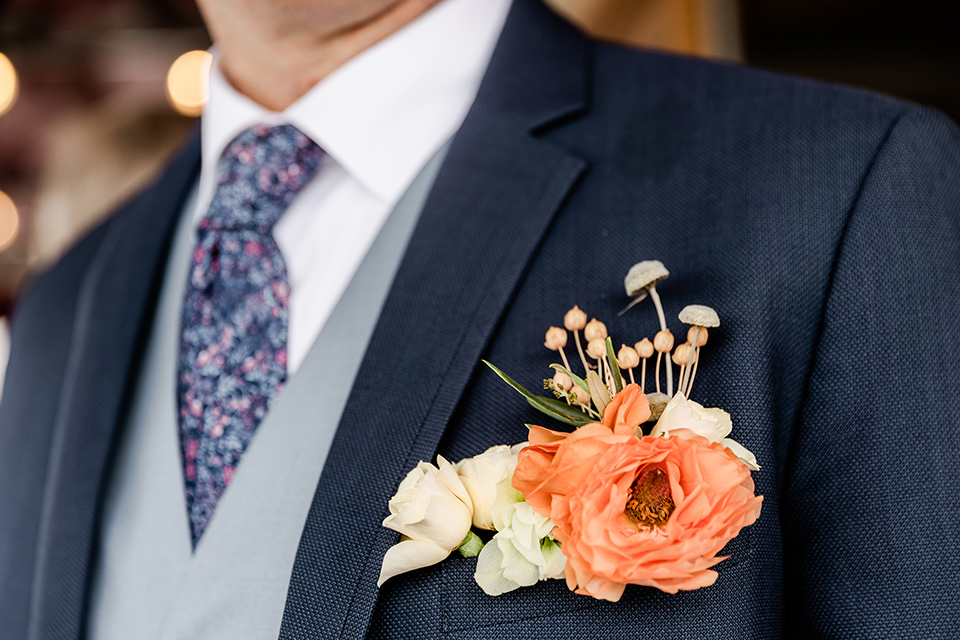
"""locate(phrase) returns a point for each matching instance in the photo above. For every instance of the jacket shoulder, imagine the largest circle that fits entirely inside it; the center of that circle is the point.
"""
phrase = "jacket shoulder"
(644, 76)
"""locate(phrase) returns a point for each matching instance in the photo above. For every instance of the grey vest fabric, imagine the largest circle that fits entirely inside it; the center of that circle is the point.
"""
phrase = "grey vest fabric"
(148, 585)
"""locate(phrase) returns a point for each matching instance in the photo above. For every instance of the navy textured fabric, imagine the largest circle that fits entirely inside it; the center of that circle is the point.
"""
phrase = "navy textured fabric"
(822, 223)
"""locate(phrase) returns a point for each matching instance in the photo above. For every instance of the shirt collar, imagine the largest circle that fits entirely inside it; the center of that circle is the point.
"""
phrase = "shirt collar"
(384, 113)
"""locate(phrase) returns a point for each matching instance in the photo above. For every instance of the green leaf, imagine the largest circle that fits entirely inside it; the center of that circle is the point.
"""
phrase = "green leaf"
(561, 411)
(551, 406)
(598, 391)
(614, 366)
(580, 381)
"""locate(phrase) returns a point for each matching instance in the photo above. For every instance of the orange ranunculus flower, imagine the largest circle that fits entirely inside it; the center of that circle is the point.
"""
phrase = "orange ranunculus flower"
(550, 466)
(627, 411)
(543, 470)
(650, 511)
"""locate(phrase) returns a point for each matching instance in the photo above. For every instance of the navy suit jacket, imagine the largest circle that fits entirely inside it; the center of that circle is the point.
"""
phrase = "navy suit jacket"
(822, 223)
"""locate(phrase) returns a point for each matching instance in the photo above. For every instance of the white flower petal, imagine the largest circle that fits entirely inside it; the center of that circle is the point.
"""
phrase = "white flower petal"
(741, 452)
(680, 413)
(516, 567)
(556, 562)
(409, 555)
(482, 476)
(489, 572)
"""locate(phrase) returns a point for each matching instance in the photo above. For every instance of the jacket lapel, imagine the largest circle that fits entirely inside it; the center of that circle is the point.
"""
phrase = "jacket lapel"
(494, 197)
(115, 308)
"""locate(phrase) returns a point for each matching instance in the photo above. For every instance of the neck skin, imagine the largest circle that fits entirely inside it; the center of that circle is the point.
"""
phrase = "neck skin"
(275, 51)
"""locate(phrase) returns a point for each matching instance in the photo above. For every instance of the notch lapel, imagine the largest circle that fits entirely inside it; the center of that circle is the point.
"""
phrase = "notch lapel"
(492, 201)
(115, 308)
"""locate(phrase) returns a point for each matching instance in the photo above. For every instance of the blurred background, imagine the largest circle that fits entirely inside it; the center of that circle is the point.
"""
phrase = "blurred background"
(96, 94)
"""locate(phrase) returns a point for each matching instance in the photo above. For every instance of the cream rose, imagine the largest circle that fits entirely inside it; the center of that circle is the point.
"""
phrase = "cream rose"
(482, 476)
(713, 424)
(433, 511)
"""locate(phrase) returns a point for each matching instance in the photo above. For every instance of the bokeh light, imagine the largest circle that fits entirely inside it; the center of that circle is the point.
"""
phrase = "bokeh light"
(187, 82)
(9, 221)
(9, 84)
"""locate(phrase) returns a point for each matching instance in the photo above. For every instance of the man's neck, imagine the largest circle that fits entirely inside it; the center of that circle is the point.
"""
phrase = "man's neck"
(274, 69)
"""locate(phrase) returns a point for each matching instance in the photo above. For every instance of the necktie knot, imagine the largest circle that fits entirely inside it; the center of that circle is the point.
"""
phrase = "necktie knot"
(259, 174)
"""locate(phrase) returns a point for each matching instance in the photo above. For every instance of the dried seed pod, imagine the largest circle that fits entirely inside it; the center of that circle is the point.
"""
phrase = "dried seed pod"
(701, 337)
(556, 338)
(575, 319)
(627, 357)
(699, 315)
(663, 341)
(644, 348)
(681, 354)
(595, 330)
(583, 397)
(563, 381)
(597, 348)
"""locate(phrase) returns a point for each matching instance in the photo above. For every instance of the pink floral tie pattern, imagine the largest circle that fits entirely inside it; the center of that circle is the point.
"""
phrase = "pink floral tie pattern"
(233, 345)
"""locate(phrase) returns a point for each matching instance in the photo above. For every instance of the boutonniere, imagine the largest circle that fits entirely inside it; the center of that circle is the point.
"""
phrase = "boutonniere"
(647, 489)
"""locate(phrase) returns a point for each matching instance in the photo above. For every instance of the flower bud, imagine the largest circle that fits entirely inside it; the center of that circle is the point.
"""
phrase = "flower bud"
(556, 338)
(575, 319)
(701, 337)
(595, 330)
(627, 357)
(644, 348)
(597, 348)
(682, 354)
(563, 381)
(663, 341)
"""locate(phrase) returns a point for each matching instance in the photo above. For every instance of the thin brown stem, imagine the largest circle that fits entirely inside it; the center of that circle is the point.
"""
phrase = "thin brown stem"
(689, 365)
(659, 355)
(583, 358)
(693, 376)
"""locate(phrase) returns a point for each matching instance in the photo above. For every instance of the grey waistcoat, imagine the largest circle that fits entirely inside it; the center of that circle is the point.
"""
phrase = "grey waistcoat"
(147, 584)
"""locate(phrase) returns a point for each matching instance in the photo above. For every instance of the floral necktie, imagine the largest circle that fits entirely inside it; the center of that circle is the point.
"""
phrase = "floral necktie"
(233, 345)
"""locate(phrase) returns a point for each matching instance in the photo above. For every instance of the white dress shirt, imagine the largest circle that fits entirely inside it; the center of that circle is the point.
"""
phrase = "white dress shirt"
(380, 117)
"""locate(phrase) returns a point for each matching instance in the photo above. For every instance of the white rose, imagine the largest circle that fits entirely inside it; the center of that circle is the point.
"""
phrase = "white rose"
(521, 554)
(713, 424)
(482, 475)
(433, 511)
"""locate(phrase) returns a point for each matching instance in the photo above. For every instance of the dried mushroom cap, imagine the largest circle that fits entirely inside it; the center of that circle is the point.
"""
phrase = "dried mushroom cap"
(658, 402)
(643, 274)
(700, 316)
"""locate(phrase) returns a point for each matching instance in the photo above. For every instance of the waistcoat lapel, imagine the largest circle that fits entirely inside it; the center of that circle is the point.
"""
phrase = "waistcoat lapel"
(114, 309)
(494, 197)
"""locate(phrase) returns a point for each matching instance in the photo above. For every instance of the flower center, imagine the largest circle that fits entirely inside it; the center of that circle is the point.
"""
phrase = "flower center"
(650, 504)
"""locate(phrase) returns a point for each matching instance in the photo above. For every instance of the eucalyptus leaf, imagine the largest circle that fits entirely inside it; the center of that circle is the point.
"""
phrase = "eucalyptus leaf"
(550, 406)
(580, 381)
(614, 366)
(571, 414)
(598, 391)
